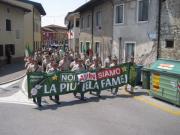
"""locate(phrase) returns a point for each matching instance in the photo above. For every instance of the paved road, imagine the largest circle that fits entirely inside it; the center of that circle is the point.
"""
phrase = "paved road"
(11, 71)
(108, 116)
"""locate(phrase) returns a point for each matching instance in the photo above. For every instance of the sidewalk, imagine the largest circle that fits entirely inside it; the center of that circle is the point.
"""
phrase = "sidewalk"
(11, 72)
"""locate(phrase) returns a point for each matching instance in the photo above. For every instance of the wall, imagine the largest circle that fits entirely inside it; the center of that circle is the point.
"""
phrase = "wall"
(30, 32)
(133, 31)
(170, 29)
(102, 34)
(16, 16)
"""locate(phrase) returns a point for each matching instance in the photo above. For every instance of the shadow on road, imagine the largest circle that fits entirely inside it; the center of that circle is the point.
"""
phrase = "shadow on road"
(11, 68)
(76, 102)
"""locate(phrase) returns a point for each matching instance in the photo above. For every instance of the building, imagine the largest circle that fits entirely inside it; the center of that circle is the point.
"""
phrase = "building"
(32, 23)
(12, 30)
(123, 28)
(72, 22)
(54, 34)
(135, 30)
(170, 30)
(96, 21)
(23, 23)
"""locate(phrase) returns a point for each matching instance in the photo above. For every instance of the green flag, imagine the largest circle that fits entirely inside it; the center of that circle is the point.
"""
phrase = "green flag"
(28, 51)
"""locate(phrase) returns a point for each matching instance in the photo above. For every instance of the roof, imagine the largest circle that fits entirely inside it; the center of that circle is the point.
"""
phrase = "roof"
(70, 15)
(37, 5)
(47, 29)
(166, 66)
(14, 5)
(55, 26)
(89, 5)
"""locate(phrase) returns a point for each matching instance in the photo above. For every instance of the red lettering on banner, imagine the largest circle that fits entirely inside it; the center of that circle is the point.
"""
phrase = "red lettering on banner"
(109, 73)
(87, 76)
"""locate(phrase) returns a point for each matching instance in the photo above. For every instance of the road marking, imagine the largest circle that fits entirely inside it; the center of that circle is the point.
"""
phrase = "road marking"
(24, 86)
(21, 98)
(165, 108)
(17, 98)
(157, 104)
(8, 84)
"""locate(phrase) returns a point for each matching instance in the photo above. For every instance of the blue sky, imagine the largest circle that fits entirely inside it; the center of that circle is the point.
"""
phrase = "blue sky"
(56, 10)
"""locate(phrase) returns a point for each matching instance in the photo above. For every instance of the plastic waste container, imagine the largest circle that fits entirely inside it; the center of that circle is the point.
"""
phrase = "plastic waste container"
(145, 78)
(165, 80)
(138, 77)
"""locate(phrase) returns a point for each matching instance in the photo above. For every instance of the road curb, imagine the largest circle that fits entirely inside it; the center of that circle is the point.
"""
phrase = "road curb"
(23, 86)
(13, 79)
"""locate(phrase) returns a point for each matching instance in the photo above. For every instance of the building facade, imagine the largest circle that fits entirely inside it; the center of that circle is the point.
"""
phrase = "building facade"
(170, 30)
(12, 30)
(135, 30)
(32, 23)
(96, 27)
(54, 34)
(25, 25)
(72, 22)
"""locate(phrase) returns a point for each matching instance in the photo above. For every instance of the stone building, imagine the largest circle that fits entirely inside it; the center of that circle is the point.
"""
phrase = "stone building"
(170, 30)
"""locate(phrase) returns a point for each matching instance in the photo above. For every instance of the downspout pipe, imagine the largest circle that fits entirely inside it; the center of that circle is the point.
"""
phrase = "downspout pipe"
(159, 29)
(92, 29)
(33, 31)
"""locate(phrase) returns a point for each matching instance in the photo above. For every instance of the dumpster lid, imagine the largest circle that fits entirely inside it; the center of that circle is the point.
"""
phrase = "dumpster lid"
(165, 65)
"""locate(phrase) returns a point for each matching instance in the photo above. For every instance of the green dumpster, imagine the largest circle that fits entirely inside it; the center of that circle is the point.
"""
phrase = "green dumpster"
(145, 78)
(165, 80)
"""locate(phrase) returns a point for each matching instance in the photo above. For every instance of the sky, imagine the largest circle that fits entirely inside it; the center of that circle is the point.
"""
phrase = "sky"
(56, 10)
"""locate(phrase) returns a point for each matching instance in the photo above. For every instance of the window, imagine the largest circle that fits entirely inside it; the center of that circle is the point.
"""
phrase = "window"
(17, 34)
(119, 14)
(82, 49)
(8, 25)
(1, 50)
(88, 21)
(169, 43)
(97, 48)
(82, 22)
(87, 46)
(143, 7)
(34, 47)
(10, 47)
(77, 23)
(36, 26)
(98, 18)
(129, 51)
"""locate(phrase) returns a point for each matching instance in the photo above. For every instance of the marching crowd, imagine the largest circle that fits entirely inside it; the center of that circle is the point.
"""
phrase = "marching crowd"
(50, 60)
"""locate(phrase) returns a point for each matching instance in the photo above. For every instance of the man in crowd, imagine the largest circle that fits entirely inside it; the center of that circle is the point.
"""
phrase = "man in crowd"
(114, 63)
(34, 67)
(53, 67)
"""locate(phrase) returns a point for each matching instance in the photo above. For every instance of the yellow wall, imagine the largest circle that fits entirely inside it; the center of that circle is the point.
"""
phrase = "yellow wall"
(29, 21)
(16, 16)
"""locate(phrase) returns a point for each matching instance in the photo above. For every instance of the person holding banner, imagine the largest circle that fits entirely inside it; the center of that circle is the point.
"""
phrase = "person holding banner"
(53, 67)
(78, 68)
(95, 65)
(132, 76)
(114, 63)
(34, 67)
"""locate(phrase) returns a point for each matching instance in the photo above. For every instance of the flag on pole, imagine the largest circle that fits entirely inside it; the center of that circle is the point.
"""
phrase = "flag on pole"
(28, 51)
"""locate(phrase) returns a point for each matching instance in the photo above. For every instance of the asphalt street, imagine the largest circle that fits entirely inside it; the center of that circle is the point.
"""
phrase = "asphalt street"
(109, 115)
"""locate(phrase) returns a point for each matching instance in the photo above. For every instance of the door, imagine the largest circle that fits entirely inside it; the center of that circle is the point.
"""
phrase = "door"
(97, 48)
(129, 51)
